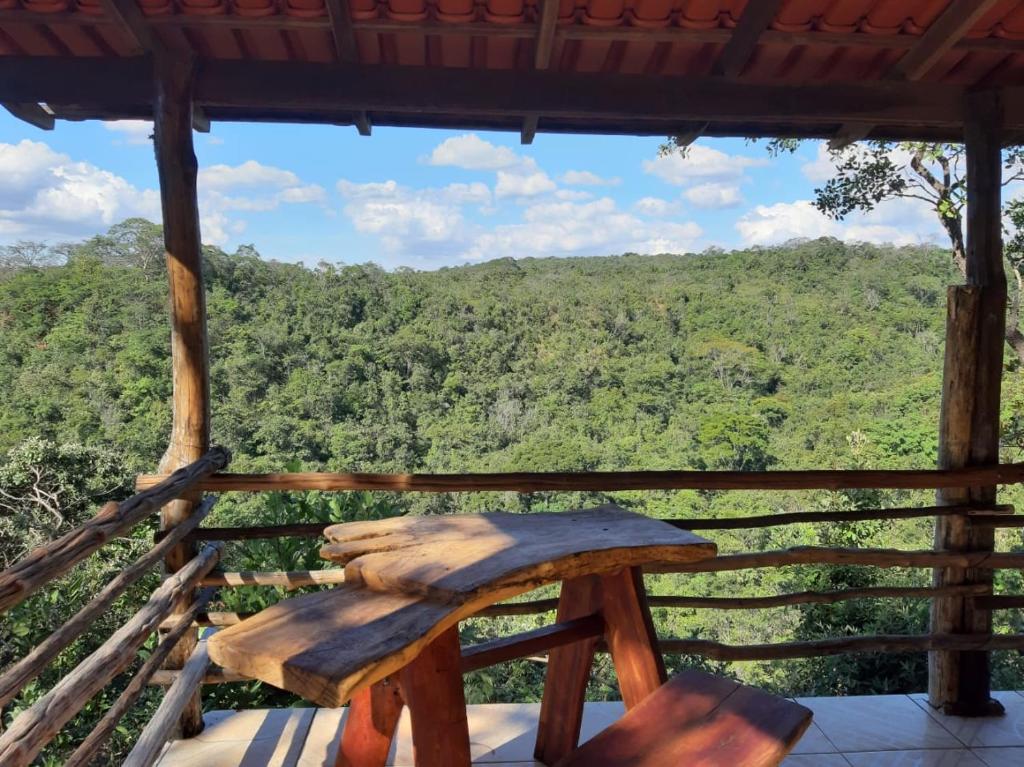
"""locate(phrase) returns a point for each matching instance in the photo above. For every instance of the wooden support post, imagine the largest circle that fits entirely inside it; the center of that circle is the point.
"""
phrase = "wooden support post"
(629, 632)
(370, 726)
(565, 683)
(958, 682)
(190, 432)
(432, 689)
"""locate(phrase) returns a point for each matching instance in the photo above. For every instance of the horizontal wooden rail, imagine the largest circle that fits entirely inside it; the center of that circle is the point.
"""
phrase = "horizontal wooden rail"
(530, 642)
(316, 529)
(290, 580)
(817, 597)
(855, 515)
(799, 555)
(541, 482)
(37, 725)
(29, 667)
(257, 532)
(49, 561)
(999, 602)
(823, 555)
(214, 675)
(89, 748)
(540, 606)
(161, 725)
(813, 648)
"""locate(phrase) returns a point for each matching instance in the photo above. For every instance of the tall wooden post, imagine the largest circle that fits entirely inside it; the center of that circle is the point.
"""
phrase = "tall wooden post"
(959, 682)
(190, 431)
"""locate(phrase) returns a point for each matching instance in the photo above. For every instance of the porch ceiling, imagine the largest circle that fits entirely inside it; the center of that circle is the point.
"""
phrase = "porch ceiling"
(833, 68)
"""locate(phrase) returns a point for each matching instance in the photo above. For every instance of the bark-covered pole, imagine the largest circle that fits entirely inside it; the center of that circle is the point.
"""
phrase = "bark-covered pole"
(959, 682)
(190, 431)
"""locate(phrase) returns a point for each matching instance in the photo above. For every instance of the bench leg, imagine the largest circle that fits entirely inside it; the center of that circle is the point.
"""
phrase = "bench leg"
(432, 688)
(629, 632)
(370, 726)
(565, 682)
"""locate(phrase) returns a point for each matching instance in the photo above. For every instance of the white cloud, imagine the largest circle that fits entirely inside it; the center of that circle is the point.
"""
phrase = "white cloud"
(586, 178)
(573, 195)
(821, 168)
(715, 194)
(250, 187)
(656, 207)
(772, 224)
(900, 222)
(47, 195)
(512, 184)
(470, 152)
(249, 174)
(700, 164)
(476, 193)
(412, 224)
(592, 228)
(136, 132)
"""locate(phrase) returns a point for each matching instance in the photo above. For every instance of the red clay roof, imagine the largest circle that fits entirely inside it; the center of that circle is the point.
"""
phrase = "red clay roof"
(624, 66)
(810, 40)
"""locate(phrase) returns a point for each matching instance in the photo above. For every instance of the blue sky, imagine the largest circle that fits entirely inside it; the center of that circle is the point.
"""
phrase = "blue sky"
(430, 198)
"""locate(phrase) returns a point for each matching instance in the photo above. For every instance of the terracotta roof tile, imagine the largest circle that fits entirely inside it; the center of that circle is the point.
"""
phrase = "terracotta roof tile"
(593, 35)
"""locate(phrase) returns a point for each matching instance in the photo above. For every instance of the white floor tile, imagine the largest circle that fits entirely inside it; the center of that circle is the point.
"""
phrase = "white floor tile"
(1001, 757)
(262, 738)
(815, 760)
(877, 723)
(951, 758)
(990, 732)
(814, 742)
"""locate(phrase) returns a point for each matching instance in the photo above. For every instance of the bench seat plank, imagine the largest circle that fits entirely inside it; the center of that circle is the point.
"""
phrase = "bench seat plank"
(461, 558)
(328, 645)
(698, 720)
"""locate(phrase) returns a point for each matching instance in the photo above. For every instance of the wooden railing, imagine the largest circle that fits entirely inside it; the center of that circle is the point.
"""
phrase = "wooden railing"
(981, 516)
(38, 724)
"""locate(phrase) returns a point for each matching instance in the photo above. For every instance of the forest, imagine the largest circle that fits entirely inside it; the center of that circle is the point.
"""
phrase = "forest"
(814, 354)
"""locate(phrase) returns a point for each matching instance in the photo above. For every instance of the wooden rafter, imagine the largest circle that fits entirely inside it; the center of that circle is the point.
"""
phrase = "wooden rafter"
(544, 44)
(737, 52)
(127, 15)
(33, 114)
(941, 37)
(342, 30)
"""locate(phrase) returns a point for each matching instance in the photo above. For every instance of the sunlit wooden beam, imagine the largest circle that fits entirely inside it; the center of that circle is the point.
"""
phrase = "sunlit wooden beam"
(33, 114)
(544, 45)
(741, 46)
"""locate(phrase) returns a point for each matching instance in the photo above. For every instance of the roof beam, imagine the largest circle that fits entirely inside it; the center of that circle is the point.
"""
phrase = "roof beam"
(93, 87)
(127, 15)
(741, 46)
(940, 37)
(544, 45)
(339, 12)
(33, 114)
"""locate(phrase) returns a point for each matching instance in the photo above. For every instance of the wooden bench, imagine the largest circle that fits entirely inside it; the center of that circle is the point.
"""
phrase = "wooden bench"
(388, 637)
(698, 720)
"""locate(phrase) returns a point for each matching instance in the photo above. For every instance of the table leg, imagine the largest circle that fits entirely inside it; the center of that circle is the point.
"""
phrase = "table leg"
(370, 725)
(432, 688)
(629, 632)
(565, 682)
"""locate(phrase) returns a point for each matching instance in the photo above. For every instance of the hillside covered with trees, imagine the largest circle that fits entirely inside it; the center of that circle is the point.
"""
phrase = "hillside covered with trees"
(811, 355)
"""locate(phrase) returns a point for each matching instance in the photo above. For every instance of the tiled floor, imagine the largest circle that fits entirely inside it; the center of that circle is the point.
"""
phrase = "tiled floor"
(869, 731)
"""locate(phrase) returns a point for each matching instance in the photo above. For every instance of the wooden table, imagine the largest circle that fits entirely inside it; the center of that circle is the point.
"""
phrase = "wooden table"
(388, 637)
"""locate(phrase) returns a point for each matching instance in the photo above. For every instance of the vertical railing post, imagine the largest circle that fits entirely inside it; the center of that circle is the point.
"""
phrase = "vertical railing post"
(190, 431)
(959, 682)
